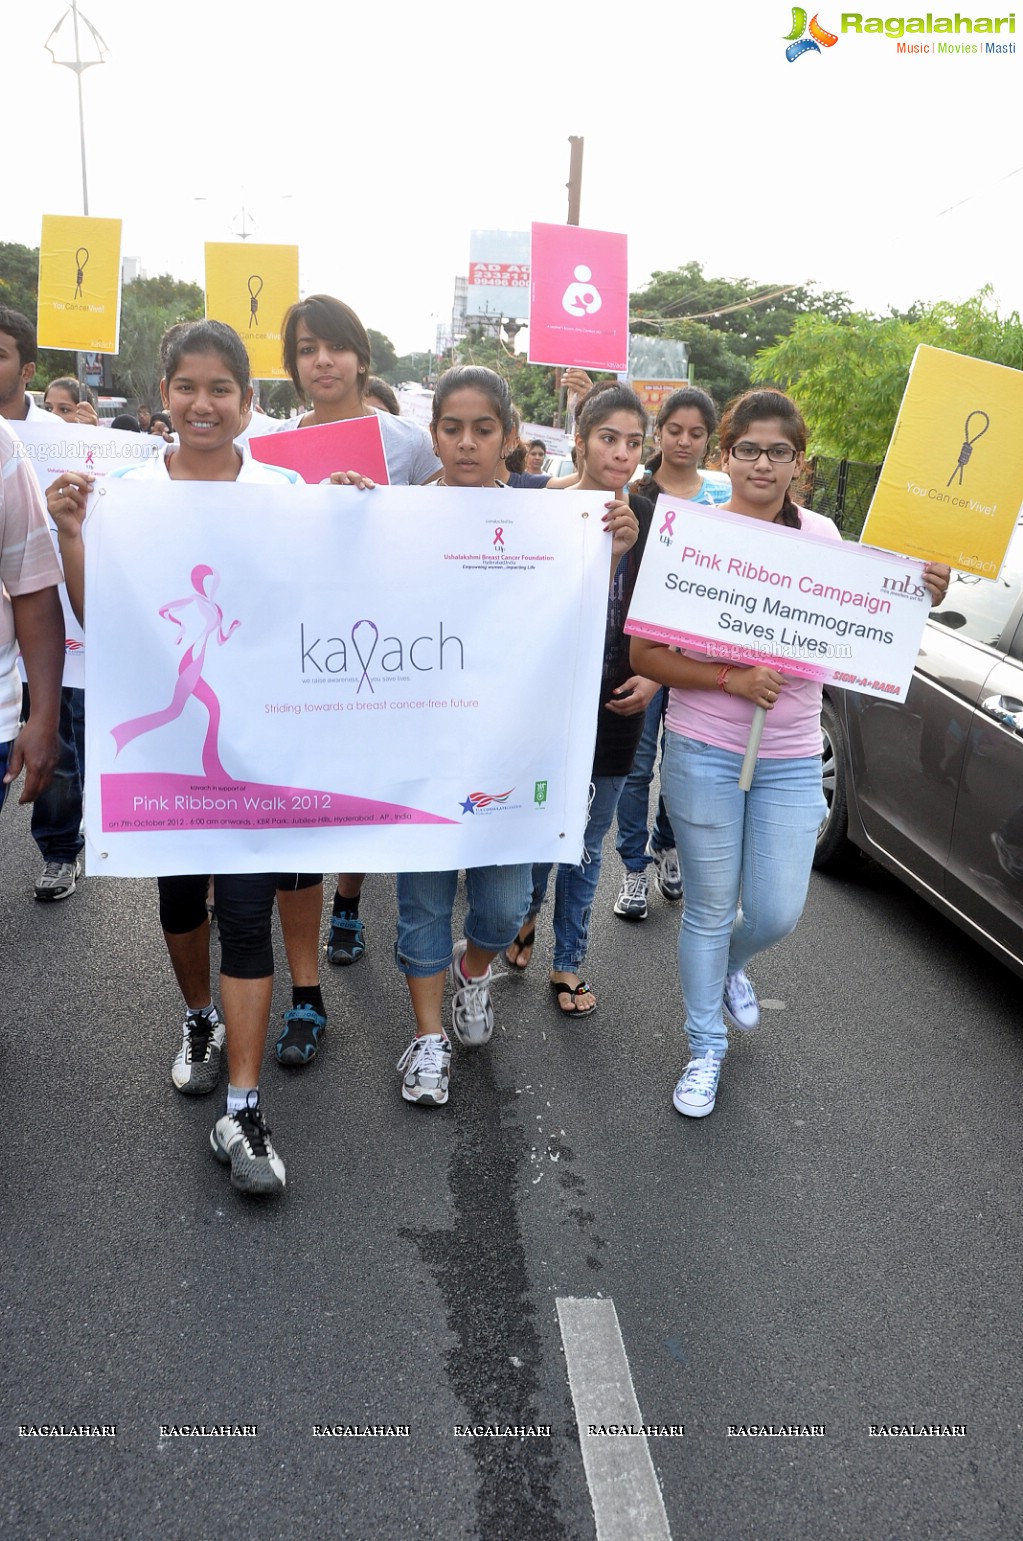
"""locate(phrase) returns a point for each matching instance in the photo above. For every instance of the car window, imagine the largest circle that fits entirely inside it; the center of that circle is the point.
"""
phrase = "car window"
(978, 608)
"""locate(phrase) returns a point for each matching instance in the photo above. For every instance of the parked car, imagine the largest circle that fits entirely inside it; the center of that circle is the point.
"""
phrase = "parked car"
(933, 788)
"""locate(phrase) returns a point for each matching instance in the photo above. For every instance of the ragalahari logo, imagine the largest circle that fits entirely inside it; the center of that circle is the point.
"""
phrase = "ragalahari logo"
(804, 39)
(477, 801)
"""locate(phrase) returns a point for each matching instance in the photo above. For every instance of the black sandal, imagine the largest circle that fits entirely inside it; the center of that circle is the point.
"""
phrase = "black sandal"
(520, 942)
(560, 989)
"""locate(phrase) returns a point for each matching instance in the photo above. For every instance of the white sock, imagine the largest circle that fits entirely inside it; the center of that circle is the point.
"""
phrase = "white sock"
(238, 1097)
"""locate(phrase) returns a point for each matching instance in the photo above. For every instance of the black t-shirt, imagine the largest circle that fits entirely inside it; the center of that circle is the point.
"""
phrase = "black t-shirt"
(618, 737)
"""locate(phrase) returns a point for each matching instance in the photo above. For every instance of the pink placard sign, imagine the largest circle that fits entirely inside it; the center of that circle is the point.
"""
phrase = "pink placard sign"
(579, 298)
(356, 444)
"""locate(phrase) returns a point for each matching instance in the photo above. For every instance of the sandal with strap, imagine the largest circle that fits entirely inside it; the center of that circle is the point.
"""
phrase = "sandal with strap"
(562, 989)
(521, 942)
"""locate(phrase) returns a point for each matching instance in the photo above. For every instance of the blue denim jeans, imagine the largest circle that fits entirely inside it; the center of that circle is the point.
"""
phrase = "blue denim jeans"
(498, 900)
(746, 859)
(57, 812)
(634, 804)
(575, 887)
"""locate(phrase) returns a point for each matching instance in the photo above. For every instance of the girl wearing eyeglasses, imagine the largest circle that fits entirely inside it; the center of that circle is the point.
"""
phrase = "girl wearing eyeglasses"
(746, 856)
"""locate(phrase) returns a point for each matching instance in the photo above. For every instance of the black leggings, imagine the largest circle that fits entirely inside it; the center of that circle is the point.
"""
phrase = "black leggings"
(244, 905)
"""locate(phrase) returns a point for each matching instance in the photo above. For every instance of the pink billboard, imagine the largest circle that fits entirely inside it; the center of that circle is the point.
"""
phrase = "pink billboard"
(579, 298)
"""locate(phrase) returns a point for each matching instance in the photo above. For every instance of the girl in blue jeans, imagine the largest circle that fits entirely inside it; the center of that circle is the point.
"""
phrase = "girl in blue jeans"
(609, 443)
(746, 856)
(472, 427)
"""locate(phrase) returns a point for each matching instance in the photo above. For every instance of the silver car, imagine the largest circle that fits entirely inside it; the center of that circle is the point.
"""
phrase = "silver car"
(933, 788)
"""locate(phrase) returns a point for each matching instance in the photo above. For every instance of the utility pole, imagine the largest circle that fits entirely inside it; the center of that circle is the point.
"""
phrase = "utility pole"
(575, 189)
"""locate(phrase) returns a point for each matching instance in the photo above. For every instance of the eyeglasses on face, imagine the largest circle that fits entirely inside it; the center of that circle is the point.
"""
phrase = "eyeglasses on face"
(778, 454)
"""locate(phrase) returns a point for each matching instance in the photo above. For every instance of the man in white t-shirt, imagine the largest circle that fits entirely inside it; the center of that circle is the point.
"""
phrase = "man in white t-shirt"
(30, 619)
(57, 811)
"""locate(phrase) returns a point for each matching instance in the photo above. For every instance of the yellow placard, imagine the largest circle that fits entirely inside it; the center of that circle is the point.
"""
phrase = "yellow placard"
(952, 482)
(79, 283)
(251, 287)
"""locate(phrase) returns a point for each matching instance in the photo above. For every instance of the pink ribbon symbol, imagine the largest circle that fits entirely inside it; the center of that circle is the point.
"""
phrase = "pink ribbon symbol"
(365, 662)
(667, 528)
(499, 537)
(90, 459)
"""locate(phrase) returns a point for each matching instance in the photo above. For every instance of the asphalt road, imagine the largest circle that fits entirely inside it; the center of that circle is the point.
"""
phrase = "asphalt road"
(838, 1245)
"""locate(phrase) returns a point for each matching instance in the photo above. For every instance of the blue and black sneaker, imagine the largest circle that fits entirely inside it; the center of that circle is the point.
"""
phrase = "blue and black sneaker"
(300, 1037)
(347, 940)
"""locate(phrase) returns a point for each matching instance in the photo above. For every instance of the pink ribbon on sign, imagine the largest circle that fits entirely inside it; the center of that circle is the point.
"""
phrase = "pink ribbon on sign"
(365, 679)
(667, 528)
(189, 681)
(499, 537)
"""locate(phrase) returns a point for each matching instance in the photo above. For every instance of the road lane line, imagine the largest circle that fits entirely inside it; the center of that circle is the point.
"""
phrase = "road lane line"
(624, 1491)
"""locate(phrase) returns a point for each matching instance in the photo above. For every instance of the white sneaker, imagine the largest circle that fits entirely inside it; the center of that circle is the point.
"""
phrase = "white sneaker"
(631, 901)
(697, 1088)
(472, 1015)
(741, 1005)
(425, 1065)
(58, 880)
(667, 873)
(242, 1141)
(196, 1067)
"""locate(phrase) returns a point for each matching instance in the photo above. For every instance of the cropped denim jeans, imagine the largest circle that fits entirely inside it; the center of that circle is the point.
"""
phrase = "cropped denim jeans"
(746, 859)
(498, 899)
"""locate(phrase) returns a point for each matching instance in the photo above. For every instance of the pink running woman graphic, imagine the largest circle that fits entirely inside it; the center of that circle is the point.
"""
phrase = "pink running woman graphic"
(205, 582)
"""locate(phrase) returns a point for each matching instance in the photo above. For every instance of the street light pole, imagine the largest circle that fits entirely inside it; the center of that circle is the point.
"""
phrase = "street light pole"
(79, 66)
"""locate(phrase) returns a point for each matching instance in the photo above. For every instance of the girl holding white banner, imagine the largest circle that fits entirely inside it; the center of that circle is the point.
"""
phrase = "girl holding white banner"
(746, 855)
(609, 443)
(472, 424)
(327, 355)
(207, 390)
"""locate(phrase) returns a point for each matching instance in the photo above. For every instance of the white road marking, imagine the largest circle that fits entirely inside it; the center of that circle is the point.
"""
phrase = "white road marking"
(624, 1491)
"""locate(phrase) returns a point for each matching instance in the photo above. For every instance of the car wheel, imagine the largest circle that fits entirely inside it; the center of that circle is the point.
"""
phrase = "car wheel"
(835, 851)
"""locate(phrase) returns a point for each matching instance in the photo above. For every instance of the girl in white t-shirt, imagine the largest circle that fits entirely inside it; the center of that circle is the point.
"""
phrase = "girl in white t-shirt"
(206, 390)
(327, 355)
(746, 856)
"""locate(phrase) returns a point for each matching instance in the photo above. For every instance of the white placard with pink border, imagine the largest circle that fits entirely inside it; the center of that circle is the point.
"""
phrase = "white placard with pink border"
(753, 592)
(319, 679)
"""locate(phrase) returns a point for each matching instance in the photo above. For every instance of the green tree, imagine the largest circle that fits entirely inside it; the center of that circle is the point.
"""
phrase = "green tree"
(148, 307)
(849, 375)
(384, 356)
(19, 290)
(531, 385)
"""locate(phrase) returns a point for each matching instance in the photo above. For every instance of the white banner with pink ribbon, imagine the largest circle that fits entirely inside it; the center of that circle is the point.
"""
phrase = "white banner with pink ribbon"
(753, 592)
(319, 679)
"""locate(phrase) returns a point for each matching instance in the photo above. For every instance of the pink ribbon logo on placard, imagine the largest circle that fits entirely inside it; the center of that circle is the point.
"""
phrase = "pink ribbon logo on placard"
(499, 537)
(667, 528)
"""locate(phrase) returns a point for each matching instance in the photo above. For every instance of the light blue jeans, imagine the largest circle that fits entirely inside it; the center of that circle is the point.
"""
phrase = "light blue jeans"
(634, 803)
(746, 859)
(575, 886)
(498, 900)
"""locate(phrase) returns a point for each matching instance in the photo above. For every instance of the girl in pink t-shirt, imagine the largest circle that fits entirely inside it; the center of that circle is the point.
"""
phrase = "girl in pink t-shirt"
(746, 856)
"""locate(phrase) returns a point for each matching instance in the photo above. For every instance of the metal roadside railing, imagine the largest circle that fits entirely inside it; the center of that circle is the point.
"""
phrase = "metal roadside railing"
(841, 489)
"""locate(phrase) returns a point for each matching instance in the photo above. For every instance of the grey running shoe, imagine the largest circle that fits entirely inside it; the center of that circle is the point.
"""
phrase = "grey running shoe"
(242, 1141)
(472, 1015)
(425, 1065)
(631, 901)
(58, 880)
(667, 873)
(196, 1067)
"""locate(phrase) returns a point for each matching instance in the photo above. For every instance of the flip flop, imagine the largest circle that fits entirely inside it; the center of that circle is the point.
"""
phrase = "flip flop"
(560, 989)
(520, 942)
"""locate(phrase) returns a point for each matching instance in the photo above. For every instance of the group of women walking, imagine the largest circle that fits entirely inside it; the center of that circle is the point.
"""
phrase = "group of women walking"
(744, 857)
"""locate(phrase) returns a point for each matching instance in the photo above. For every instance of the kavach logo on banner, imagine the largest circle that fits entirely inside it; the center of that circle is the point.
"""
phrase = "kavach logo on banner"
(349, 660)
